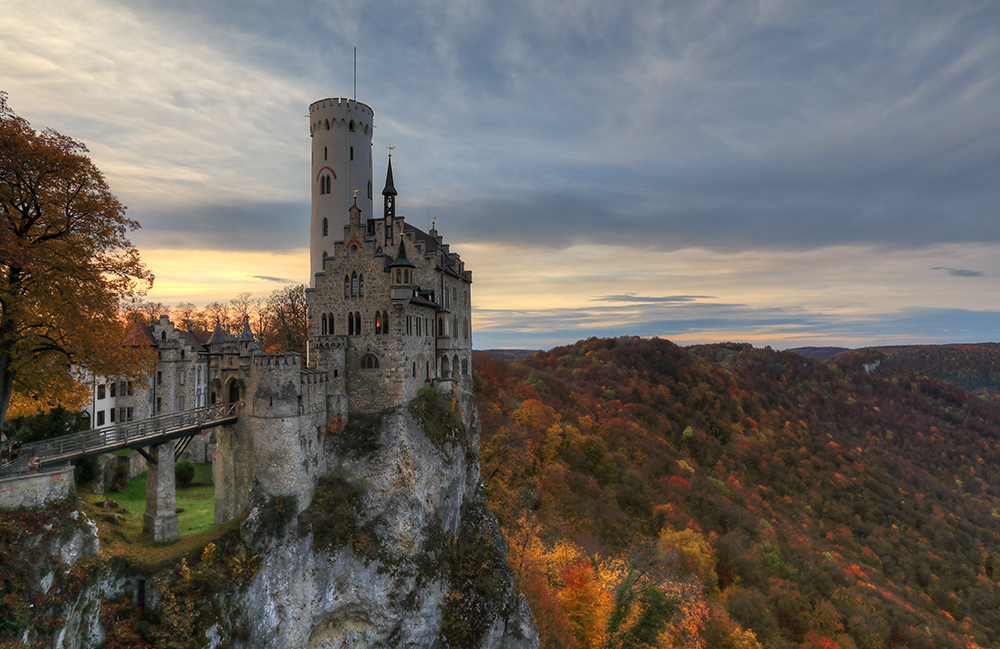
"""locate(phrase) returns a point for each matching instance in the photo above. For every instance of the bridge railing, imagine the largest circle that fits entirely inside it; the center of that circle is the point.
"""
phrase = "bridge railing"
(123, 435)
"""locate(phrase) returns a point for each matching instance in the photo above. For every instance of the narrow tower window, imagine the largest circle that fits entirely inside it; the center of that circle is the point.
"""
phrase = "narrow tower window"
(347, 286)
(326, 227)
(361, 285)
(352, 154)
(354, 284)
(324, 153)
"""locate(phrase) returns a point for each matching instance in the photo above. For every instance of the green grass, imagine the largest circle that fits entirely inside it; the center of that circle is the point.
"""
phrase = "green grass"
(197, 501)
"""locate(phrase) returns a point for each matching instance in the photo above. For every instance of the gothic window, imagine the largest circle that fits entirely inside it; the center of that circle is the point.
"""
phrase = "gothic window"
(322, 330)
(465, 367)
(347, 286)
(357, 322)
(327, 125)
(369, 362)
(406, 276)
(329, 321)
(385, 322)
(361, 285)
(378, 323)
(350, 325)
(354, 284)
(327, 184)
(326, 227)
(399, 276)
(350, 126)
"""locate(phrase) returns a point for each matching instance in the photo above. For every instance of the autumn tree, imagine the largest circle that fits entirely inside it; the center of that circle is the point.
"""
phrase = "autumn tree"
(65, 263)
(287, 325)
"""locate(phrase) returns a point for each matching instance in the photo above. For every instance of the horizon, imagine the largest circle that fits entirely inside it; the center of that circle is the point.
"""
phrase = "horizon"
(785, 174)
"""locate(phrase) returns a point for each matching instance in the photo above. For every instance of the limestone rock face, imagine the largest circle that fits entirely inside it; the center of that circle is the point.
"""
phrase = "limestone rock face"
(397, 549)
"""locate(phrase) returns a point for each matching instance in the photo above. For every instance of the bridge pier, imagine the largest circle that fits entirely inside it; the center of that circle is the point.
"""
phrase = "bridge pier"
(160, 520)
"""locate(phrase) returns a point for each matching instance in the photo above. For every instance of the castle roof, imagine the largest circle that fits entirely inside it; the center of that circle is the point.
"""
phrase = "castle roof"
(139, 335)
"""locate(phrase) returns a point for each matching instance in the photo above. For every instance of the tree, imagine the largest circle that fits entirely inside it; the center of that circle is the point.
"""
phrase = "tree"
(65, 263)
(288, 325)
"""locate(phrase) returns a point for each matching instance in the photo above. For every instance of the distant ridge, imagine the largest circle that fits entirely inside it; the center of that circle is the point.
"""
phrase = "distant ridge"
(818, 353)
(508, 354)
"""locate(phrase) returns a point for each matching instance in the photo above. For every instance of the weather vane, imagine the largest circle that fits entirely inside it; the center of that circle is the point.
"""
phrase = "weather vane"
(355, 196)
(390, 150)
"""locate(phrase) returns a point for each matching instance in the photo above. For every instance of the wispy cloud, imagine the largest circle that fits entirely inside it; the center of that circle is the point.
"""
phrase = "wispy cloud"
(959, 272)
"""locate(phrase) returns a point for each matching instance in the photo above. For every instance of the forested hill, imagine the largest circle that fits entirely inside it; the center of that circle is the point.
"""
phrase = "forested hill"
(769, 499)
(975, 367)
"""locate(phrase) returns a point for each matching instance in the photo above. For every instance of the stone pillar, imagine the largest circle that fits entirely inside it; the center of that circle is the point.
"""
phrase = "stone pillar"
(160, 519)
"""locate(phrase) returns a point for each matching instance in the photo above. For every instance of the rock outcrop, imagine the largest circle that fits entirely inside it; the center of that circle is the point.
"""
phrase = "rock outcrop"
(397, 549)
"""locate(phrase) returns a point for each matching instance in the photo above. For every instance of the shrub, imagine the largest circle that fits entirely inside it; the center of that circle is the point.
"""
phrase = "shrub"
(183, 473)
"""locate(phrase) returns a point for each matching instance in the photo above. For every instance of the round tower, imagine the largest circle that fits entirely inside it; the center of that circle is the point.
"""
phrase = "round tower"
(341, 131)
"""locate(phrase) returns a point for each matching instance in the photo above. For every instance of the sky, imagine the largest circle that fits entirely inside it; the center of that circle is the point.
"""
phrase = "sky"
(776, 172)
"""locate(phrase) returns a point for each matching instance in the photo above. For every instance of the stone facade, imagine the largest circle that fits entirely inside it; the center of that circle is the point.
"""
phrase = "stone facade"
(35, 489)
(391, 311)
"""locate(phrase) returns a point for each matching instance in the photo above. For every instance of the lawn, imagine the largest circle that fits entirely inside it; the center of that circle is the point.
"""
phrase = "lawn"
(125, 538)
(197, 501)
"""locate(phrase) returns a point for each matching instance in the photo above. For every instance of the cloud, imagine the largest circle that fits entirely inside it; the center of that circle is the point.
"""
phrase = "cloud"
(636, 299)
(280, 280)
(958, 272)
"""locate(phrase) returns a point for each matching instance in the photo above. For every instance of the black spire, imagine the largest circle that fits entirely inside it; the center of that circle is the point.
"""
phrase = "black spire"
(401, 261)
(389, 198)
(389, 189)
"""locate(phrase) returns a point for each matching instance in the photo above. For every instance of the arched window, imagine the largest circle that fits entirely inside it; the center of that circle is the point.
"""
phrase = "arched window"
(322, 330)
(326, 227)
(385, 322)
(399, 276)
(163, 335)
(465, 367)
(350, 126)
(350, 325)
(354, 284)
(347, 286)
(327, 180)
(327, 125)
(329, 322)
(406, 275)
(357, 322)
(369, 362)
(378, 323)
(444, 367)
(361, 285)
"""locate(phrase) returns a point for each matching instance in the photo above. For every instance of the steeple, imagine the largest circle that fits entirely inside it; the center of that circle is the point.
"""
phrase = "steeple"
(389, 195)
(400, 274)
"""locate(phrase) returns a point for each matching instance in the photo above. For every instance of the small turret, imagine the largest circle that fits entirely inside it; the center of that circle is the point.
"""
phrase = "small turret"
(401, 274)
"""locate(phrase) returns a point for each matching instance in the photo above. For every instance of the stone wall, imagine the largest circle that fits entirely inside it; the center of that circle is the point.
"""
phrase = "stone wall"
(35, 489)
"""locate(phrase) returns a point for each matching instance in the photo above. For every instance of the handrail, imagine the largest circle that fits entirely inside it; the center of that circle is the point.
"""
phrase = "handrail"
(123, 435)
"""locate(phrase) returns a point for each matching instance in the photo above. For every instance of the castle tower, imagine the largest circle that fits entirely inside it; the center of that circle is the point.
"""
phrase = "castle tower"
(341, 131)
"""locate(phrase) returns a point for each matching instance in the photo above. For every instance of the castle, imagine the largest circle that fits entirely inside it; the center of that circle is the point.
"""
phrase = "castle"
(390, 308)
(389, 314)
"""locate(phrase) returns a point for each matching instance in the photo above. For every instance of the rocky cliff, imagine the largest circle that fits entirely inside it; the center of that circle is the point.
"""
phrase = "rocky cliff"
(396, 549)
